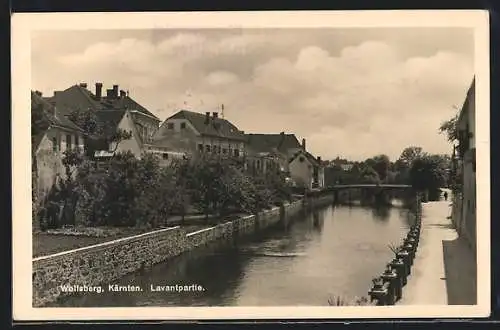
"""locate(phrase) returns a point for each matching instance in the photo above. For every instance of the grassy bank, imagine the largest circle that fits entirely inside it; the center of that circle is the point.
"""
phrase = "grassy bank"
(46, 243)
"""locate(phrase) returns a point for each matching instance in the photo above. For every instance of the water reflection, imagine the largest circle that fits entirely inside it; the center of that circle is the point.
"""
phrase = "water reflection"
(381, 212)
(331, 251)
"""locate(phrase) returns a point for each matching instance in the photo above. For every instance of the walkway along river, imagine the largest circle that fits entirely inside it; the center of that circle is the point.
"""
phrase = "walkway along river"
(330, 251)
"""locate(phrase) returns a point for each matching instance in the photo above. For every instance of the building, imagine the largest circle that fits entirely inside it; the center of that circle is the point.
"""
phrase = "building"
(263, 154)
(118, 109)
(306, 170)
(273, 148)
(52, 134)
(112, 121)
(283, 151)
(199, 134)
(464, 203)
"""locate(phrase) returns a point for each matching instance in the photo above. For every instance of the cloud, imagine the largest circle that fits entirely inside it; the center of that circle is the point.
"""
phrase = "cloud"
(218, 78)
(354, 98)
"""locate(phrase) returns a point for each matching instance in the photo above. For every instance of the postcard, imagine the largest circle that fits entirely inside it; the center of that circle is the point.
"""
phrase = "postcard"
(251, 165)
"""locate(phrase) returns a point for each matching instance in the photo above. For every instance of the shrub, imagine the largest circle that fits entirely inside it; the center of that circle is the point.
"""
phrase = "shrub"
(125, 191)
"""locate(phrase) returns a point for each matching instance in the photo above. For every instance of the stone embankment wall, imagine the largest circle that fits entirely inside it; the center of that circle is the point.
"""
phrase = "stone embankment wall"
(319, 201)
(388, 287)
(106, 262)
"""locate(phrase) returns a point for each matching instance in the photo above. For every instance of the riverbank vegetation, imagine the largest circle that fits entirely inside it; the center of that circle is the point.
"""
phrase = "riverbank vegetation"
(128, 192)
(424, 171)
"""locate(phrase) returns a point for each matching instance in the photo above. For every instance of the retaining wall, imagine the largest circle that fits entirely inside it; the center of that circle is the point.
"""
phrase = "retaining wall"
(102, 263)
(106, 262)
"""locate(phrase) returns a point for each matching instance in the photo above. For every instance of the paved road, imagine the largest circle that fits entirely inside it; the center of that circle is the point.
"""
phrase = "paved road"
(444, 270)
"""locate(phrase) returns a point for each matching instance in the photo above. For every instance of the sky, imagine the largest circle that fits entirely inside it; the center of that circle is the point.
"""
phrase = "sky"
(350, 92)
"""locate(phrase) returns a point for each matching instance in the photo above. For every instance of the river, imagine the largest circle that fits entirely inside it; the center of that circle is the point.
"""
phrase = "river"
(331, 251)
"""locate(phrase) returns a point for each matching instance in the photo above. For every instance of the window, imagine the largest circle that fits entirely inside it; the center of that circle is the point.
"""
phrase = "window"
(164, 156)
(170, 125)
(236, 152)
(224, 151)
(54, 144)
(77, 142)
(200, 147)
(207, 147)
(183, 125)
(68, 142)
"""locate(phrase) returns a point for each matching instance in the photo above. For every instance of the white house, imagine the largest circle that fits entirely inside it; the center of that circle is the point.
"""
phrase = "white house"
(306, 170)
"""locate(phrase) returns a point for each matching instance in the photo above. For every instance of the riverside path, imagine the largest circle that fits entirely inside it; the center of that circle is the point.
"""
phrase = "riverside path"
(444, 270)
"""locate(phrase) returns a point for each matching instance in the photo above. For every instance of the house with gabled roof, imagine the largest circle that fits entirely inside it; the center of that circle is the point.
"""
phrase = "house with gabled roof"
(281, 147)
(200, 133)
(306, 170)
(52, 134)
(115, 110)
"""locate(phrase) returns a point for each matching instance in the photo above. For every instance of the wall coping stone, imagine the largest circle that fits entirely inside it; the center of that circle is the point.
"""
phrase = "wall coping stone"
(200, 231)
(120, 240)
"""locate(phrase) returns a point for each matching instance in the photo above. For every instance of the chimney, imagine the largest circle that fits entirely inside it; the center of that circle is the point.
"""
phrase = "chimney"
(319, 159)
(207, 117)
(215, 114)
(115, 91)
(38, 93)
(282, 133)
(304, 144)
(98, 90)
(83, 84)
(122, 94)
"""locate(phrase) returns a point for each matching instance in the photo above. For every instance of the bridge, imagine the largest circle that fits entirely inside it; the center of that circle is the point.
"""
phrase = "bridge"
(367, 186)
(367, 193)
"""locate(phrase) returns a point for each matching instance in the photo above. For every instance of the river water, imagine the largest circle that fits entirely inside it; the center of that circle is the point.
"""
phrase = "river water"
(331, 251)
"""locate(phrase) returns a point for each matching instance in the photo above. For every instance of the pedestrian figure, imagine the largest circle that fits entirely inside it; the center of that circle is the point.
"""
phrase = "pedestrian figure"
(445, 195)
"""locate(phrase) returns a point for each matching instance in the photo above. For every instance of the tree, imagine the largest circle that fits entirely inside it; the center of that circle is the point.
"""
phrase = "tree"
(96, 130)
(409, 154)
(369, 175)
(39, 122)
(86, 120)
(156, 193)
(381, 165)
(428, 173)
(450, 129)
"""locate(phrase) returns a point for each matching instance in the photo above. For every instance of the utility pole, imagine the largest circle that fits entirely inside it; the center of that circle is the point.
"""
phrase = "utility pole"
(222, 111)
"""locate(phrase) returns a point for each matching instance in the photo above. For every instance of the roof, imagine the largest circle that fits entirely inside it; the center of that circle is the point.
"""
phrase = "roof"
(127, 102)
(78, 97)
(217, 127)
(110, 119)
(470, 90)
(50, 117)
(51, 113)
(308, 156)
(270, 142)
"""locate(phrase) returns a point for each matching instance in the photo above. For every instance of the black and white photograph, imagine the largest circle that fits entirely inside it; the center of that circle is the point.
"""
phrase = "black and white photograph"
(251, 165)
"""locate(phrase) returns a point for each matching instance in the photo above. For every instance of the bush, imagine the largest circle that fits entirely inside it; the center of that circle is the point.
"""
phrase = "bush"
(129, 192)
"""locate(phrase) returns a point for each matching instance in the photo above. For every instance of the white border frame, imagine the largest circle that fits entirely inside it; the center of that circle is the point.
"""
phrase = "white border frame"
(24, 24)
